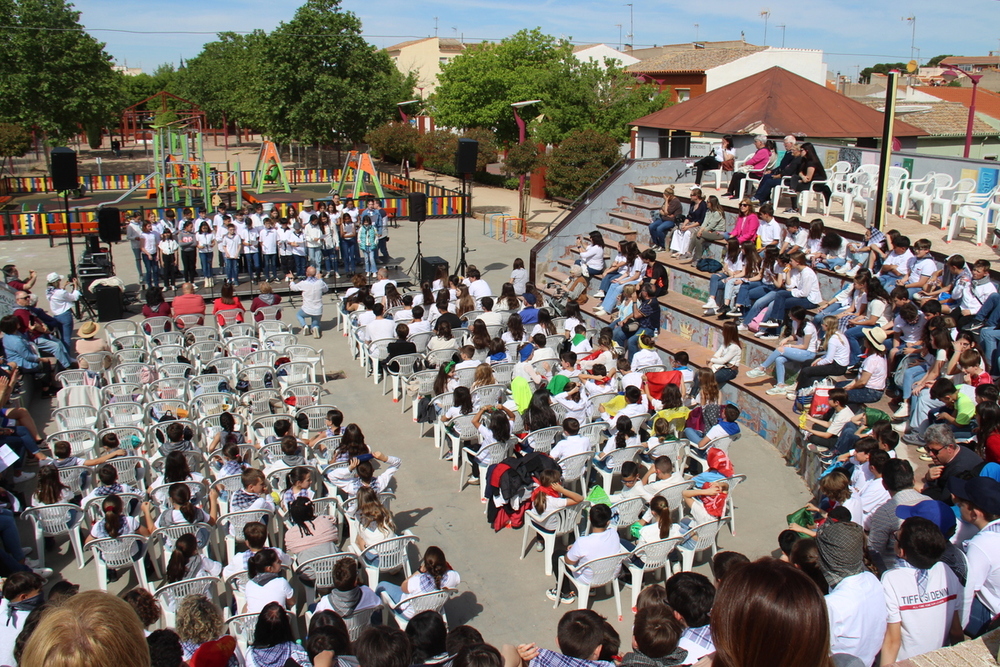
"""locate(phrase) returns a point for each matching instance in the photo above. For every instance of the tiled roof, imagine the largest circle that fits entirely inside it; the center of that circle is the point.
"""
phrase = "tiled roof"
(694, 60)
(780, 101)
(938, 119)
(444, 44)
(987, 102)
(971, 60)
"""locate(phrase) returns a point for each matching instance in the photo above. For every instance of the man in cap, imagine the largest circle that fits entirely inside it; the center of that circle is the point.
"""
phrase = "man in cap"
(307, 212)
(943, 517)
(948, 459)
(979, 501)
(529, 314)
(856, 603)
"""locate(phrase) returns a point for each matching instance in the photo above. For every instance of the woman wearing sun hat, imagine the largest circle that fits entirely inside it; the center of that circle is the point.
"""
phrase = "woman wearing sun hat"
(62, 294)
(89, 341)
(869, 385)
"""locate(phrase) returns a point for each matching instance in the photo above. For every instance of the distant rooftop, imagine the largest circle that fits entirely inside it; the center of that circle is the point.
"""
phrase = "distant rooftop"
(938, 119)
(690, 59)
(987, 102)
(992, 60)
(444, 44)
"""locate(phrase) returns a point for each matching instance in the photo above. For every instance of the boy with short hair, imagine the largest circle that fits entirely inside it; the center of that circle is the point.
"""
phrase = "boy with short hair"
(861, 474)
(769, 231)
(572, 442)
(894, 268)
(22, 592)
(107, 475)
(176, 442)
(922, 595)
(579, 343)
(253, 495)
(661, 475)
(691, 596)
(727, 427)
(919, 268)
(655, 634)
(349, 595)
(567, 364)
(580, 636)
(971, 363)
(63, 452)
(829, 435)
(602, 541)
(255, 537)
(627, 377)
(466, 353)
(418, 325)
(292, 456)
(681, 359)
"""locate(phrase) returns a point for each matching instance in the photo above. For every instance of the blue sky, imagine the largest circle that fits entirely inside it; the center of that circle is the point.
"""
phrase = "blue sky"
(851, 32)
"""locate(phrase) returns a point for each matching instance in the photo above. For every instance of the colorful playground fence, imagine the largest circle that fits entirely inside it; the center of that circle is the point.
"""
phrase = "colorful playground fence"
(501, 226)
(441, 201)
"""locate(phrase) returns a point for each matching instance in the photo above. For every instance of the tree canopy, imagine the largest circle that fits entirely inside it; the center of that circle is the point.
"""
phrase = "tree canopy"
(477, 88)
(865, 75)
(55, 76)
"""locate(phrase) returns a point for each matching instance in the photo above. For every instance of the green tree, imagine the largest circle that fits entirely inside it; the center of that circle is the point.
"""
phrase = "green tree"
(393, 141)
(521, 159)
(936, 60)
(333, 84)
(579, 161)
(880, 68)
(477, 88)
(222, 79)
(438, 148)
(487, 150)
(55, 76)
(14, 142)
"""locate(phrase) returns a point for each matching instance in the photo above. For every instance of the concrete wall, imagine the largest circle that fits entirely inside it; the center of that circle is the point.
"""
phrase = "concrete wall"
(807, 63)
(424, 58)
(598, 52)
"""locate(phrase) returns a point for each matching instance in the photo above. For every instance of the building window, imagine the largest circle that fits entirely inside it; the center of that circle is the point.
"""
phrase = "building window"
(443, 60)
(683, 94)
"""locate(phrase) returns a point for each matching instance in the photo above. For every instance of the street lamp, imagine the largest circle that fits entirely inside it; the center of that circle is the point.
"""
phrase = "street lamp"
(522, 131)
(950, 76)
(400, 105)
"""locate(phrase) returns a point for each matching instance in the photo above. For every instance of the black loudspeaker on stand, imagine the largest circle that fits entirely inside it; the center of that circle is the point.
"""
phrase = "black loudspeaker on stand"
(465, 164)
(429, 268)
(64, 176)
(417, 205)
(109, 224)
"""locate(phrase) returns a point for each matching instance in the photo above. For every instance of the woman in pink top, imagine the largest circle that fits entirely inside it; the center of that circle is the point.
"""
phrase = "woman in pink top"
(754, 166)
(746, 223)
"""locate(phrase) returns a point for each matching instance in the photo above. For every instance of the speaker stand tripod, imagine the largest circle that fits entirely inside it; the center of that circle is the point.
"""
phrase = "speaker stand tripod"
(415, 264)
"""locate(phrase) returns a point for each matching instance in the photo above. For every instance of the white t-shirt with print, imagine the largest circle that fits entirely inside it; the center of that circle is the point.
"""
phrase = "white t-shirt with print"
(924, 612)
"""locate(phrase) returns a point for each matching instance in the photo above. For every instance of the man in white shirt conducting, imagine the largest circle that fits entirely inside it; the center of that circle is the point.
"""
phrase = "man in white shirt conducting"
(312, 289)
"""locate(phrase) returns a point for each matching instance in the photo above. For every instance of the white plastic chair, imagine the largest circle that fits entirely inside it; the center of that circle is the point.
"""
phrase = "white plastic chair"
(390, 555)
(705, 536)
(77, 417)
(463, 430)
(56, 520)
(433, 601)
(565, 519)
(626, 512)
(603, 571)
(318, 573)
(306, 395)
(729, 513)
(399, 370)
(675, 496)
(542, 439)
(978, 208)
(425, 379)
(494, 453)
(950, 198)
(576, 468)
(614, 462)
(654, 556)
(230, 527)
(170, 594)
(117, 554)
(82, 441)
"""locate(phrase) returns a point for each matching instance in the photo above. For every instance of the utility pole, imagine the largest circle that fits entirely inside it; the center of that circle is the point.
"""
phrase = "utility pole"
(912, 20)
(631, 26)
(696, 27)
(435, 26)
(619, 26)
(782, 26)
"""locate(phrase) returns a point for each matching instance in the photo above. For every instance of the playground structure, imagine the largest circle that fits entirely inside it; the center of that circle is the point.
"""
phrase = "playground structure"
(357, 167)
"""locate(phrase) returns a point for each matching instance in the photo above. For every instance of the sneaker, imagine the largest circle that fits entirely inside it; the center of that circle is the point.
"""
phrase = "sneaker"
(925, 457)
(768, 336)
(853, 271)
(710, 304)
(552, 594)
(791, 210)
(306, 331)
(902, 412)
(792, 395)
(777, 390)
(473, 480)
(914, 439)
(975, 326)
(742, 327)
(315, 332)
(600, 311)
(842, 269)
(599, 294)
(920, 450)
(44, 572)
(448, 456)
(817, 449)
(899, 428)
(539, 546)
(756, 373)
(770, 324)
(20, 477)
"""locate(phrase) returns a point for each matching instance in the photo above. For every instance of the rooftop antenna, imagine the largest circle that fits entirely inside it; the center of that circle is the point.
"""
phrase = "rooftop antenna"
(765, 14)
(435, 26)
(631, 25)
(912, 20)
(696, 30)
(619, 26)
(782, 26)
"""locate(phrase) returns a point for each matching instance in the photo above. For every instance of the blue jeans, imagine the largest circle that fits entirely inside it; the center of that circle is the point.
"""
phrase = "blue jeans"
(911, 375)
(152, 271)
(831, 262)
(206, 264)
(608, 277)
(989, 311)
(862, 394)
(330, 260)
(759, 305)
(369, 256)
(988, 339)
(751, 291)
(658, 230)
(693, 435)
(65, 321)
(138, 262)
(979, 619)
(783, 301)
(394, 592)
(715, 286)
(55, 349)
(315, 257)
(633, 342)
(300, 265)
(921, 409)
(271, 267)
(302, 315)
(780, 358)
(232, 270)
(11, 555)
(888, 281)
(611, 296)
(834, 308)
(253, 263)
(383, 249)
(349, 253)
(767, 183)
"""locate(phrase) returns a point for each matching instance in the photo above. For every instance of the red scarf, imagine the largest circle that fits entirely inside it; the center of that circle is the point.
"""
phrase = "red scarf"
(547, 490)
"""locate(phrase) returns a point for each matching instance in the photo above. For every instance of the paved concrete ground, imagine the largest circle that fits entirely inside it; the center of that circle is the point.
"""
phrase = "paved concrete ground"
(502, 596)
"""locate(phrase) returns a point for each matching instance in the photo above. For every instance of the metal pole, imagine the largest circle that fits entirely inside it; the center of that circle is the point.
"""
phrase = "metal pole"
(885, 155)
(461, 261)
(69, 236)
(972, 114)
